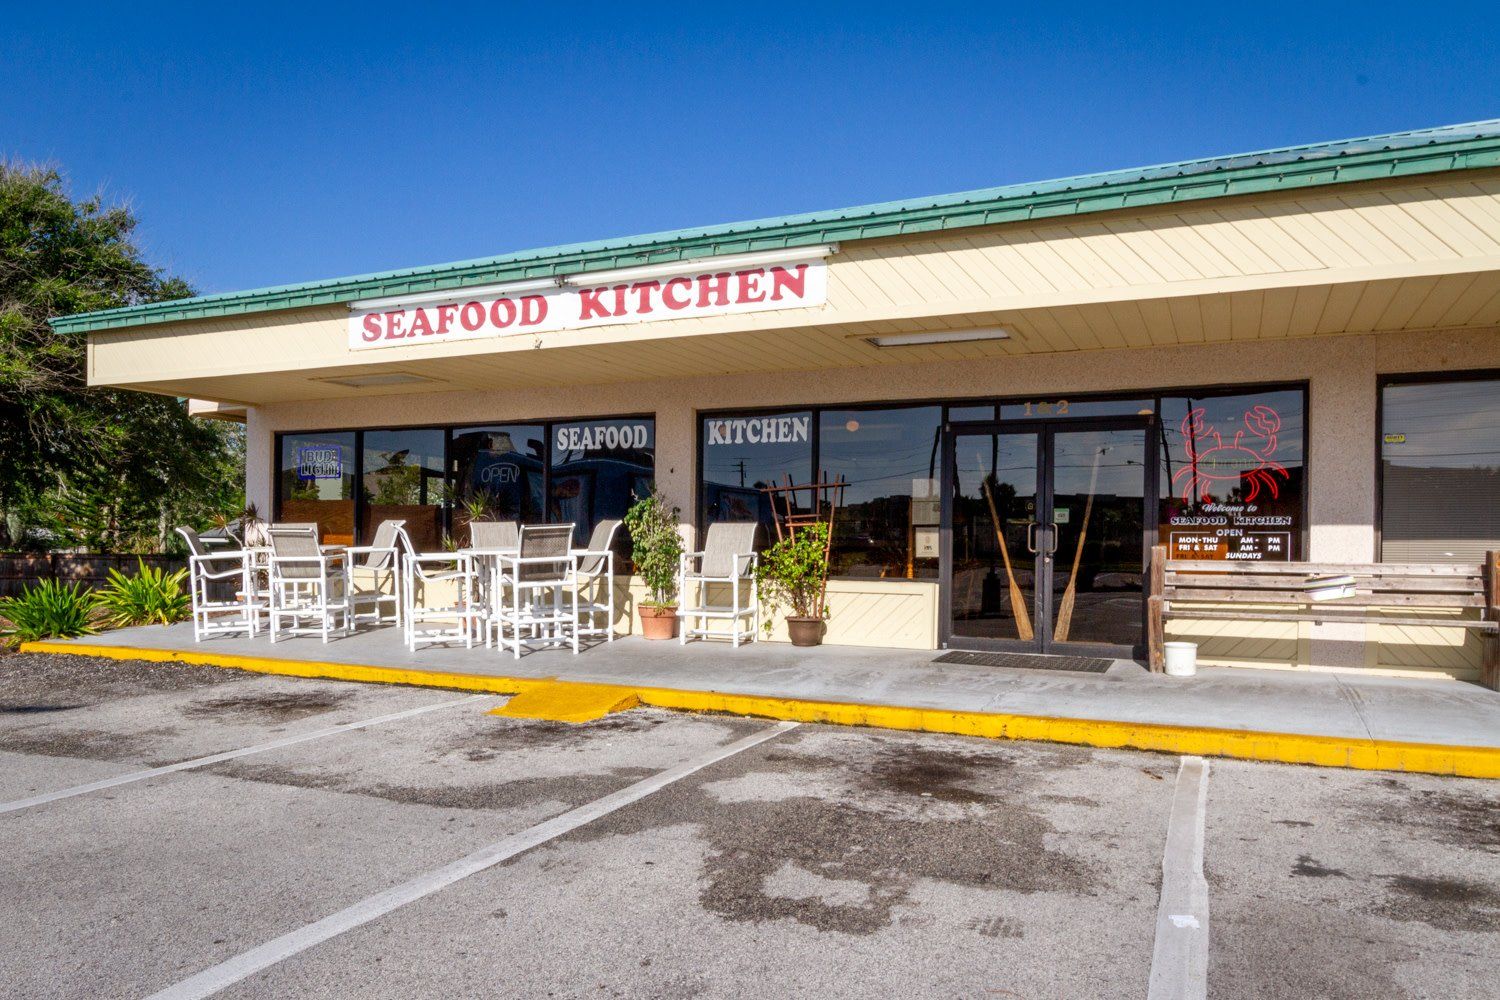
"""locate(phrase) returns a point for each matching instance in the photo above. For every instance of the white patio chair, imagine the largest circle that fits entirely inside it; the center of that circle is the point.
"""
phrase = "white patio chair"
(439, 596)
(487, 540)
(596, 567)
(536, 579)
(222, 585)
(375, 575)
(307, 582)
(727, 559)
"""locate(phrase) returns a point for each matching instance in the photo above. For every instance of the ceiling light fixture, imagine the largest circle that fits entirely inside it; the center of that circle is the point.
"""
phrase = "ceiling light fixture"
(937, 337)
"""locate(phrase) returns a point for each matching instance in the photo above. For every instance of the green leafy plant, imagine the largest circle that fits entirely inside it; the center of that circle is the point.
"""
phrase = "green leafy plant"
(152, 597)
(793, 574)
(657, 553)
(47, 610)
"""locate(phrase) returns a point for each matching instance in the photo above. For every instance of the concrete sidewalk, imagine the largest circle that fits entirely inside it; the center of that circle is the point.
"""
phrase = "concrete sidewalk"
(1340, 706)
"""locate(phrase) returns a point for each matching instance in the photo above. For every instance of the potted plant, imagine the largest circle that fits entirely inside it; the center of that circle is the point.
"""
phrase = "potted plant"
(793, 574)
(657, 552)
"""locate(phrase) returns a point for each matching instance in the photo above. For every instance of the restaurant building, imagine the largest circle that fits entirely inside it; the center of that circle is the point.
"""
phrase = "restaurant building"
(1285, 355)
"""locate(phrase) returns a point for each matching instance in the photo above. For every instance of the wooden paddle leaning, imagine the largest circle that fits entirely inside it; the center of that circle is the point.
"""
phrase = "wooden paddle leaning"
(1065, 609)
(1017, 602)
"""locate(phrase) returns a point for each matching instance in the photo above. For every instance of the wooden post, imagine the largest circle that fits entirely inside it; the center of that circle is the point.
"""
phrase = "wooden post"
(1490, 671)
(1156, 628)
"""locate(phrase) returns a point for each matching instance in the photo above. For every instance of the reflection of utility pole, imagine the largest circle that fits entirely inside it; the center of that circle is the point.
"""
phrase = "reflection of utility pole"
(741, 466)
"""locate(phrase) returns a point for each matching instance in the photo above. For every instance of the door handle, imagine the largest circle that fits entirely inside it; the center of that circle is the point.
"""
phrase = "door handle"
(1052, 533)
(1031, 538)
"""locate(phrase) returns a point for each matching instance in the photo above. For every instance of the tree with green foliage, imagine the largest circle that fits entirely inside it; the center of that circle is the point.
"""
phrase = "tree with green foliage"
(107, 469)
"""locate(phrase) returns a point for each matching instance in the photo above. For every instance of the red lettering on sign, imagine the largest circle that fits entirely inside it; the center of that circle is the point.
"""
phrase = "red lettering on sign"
(643, 290)
(471, 316)
(393, 329)
(502, 313)
(669, 294)
(421, 326)
(782, 280)
(750, 290)
(444, 317)
(718, 284)
(533, 310)
(590, 306)
(372, 328)
(620, 291)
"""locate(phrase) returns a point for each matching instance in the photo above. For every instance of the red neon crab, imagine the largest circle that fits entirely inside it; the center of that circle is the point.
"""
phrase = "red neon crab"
(1240, 462)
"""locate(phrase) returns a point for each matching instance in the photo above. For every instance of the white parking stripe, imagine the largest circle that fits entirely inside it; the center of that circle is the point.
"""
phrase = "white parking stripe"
(187, 765)
(1179, 962)
(212, 980)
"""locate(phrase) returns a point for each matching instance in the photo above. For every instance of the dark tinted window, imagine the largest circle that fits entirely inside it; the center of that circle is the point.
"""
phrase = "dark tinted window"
(499, 469)
(743, 455)
(316, 483)
(403, 480)
(598, 467)
(888, 458)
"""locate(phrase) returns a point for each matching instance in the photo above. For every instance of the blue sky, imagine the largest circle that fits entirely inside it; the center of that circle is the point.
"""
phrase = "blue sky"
(280, 144)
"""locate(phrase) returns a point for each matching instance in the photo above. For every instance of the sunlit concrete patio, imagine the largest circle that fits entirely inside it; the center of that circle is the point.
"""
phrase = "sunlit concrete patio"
(1345, 705)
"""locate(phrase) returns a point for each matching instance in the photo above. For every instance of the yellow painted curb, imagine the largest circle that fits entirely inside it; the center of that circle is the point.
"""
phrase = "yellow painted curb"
(566, 701)
(1287, 748)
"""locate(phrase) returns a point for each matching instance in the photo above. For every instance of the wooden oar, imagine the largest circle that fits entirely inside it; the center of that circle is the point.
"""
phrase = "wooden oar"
(1065, 609)
(1017, 602)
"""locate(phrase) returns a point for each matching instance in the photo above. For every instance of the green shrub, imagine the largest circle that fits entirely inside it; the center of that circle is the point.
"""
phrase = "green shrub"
(793, 574)
(47, 610)
(151, 597)
(658, 547)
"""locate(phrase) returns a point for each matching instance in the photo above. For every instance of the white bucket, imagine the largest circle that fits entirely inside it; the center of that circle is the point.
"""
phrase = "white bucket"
(1182, 658)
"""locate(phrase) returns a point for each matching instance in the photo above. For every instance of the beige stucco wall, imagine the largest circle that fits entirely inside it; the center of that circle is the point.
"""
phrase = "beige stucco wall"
(1341, 372)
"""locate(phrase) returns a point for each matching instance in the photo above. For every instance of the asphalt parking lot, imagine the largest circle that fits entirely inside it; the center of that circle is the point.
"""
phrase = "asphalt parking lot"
(440, 851)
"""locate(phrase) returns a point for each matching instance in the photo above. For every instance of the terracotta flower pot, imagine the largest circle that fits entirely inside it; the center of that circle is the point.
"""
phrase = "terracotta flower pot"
(805, 631)
(658, 623)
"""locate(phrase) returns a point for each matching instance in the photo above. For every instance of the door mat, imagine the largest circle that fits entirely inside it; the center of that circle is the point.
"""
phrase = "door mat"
(1028, 661)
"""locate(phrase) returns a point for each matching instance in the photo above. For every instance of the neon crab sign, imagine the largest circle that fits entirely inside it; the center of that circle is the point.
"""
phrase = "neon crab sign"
(1243, 461)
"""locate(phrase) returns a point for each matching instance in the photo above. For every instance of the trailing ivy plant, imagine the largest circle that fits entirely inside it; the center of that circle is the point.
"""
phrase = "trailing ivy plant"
(152, 597)
(793, 574)
(47, 610)
(657, 552)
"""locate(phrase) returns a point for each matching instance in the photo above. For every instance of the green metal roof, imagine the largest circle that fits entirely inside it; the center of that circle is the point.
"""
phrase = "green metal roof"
(1453, 147)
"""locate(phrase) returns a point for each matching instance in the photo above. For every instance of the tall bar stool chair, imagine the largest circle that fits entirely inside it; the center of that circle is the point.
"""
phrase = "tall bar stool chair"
(308, 583)
(222, 585)
(536, 580)
(375, 576)
(727, 561)
(440, 597)
(596, 568)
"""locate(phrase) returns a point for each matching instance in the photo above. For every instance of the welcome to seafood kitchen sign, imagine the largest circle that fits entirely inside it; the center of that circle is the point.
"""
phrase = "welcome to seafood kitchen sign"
(702, 293)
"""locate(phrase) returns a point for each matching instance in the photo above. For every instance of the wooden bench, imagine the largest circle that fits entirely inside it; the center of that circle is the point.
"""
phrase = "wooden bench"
(1360, 594)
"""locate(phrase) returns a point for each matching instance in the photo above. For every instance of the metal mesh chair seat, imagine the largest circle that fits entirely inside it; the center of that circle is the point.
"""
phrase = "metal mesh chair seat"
(494, 534)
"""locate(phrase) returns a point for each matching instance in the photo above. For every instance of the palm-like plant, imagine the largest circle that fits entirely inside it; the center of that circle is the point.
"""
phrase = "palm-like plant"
(48, 610)
(152, 597)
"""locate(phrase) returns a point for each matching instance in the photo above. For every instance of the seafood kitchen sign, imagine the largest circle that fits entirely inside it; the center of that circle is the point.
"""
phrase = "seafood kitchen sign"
(705, 293)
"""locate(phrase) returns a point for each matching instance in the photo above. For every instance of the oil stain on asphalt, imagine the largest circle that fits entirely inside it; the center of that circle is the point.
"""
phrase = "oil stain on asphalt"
(906, 813)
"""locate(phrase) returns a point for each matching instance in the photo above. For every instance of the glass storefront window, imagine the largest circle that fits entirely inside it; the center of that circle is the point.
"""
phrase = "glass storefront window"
(598, 468)
(742, 455)
(967, 412)
(888, 523)
(403, 480)
(1440, 471)
(498, 473)
(1232, 477)
(316, 484)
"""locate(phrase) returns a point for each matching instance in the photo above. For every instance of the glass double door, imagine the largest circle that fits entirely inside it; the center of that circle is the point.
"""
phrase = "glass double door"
(1043, 528)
